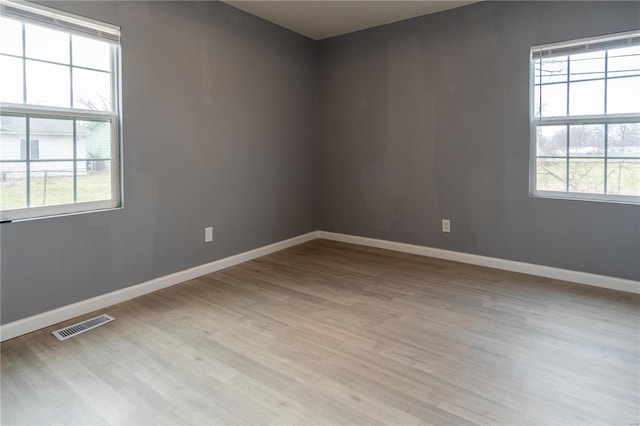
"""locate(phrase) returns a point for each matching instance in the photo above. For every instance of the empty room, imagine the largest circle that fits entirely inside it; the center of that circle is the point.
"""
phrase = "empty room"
(320, 212)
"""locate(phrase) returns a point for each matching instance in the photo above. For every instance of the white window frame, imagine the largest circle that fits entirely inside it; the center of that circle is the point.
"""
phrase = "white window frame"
(72, 24)
(584, 45)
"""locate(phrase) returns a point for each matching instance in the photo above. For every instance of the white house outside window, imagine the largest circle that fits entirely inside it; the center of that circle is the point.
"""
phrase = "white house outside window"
(59, 112)
(586, 119)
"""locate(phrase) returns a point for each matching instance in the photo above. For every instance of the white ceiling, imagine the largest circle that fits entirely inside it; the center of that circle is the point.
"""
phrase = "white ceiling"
(320, 19)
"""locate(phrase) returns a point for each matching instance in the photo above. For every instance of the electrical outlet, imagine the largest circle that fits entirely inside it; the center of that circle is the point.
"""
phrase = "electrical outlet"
(446, 225)
(208, 234)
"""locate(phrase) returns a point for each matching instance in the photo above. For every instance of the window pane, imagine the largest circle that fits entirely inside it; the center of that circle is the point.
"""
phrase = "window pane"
(51, 183)
(13, 186)
(11, 79)
(48, 84)
(90, 53)
(551, 174)
(553, 70)
(586, 140)
(624, 140)
(623, 177)
(554, 100)
(10, 36)
(54, 136)
(587, 66)
(13, 131)
(551, 140)
(93, 140)
(586, 176)
(622, 95)
(625, 61)
(46, 44)
(91, 90)
(94, 180)
(586, 98)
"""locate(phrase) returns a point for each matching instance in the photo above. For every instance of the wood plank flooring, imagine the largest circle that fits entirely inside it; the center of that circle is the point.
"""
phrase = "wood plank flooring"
(335, 334)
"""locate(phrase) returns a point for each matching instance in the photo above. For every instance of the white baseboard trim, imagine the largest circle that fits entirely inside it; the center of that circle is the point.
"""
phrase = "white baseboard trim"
(603, 281)
(46, 319)
(55, 316)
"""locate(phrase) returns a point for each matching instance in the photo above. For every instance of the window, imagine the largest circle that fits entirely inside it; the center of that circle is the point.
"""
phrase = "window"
(585, 119)
(59, 112)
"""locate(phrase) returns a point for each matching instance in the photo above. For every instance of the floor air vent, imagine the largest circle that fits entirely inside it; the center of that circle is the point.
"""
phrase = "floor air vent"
(81, 327)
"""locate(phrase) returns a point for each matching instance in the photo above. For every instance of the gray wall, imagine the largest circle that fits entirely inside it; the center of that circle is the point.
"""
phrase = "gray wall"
(428, 119)
(219, 130)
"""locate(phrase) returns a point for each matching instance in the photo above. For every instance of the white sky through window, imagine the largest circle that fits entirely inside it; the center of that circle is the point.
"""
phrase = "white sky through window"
(577, 82)
(55, 65)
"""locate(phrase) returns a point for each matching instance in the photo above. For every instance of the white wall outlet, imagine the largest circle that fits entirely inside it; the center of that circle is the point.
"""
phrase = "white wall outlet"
(446, 225)
(208, 234)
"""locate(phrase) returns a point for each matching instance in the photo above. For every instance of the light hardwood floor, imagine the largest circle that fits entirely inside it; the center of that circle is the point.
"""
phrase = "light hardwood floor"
(331, 333)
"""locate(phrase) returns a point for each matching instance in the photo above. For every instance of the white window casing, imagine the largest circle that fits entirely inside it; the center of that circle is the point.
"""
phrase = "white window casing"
(581, 99)
(27, 14)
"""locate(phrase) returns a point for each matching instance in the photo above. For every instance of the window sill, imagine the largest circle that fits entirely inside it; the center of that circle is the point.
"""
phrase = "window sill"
(51, 215)
(576, 196)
